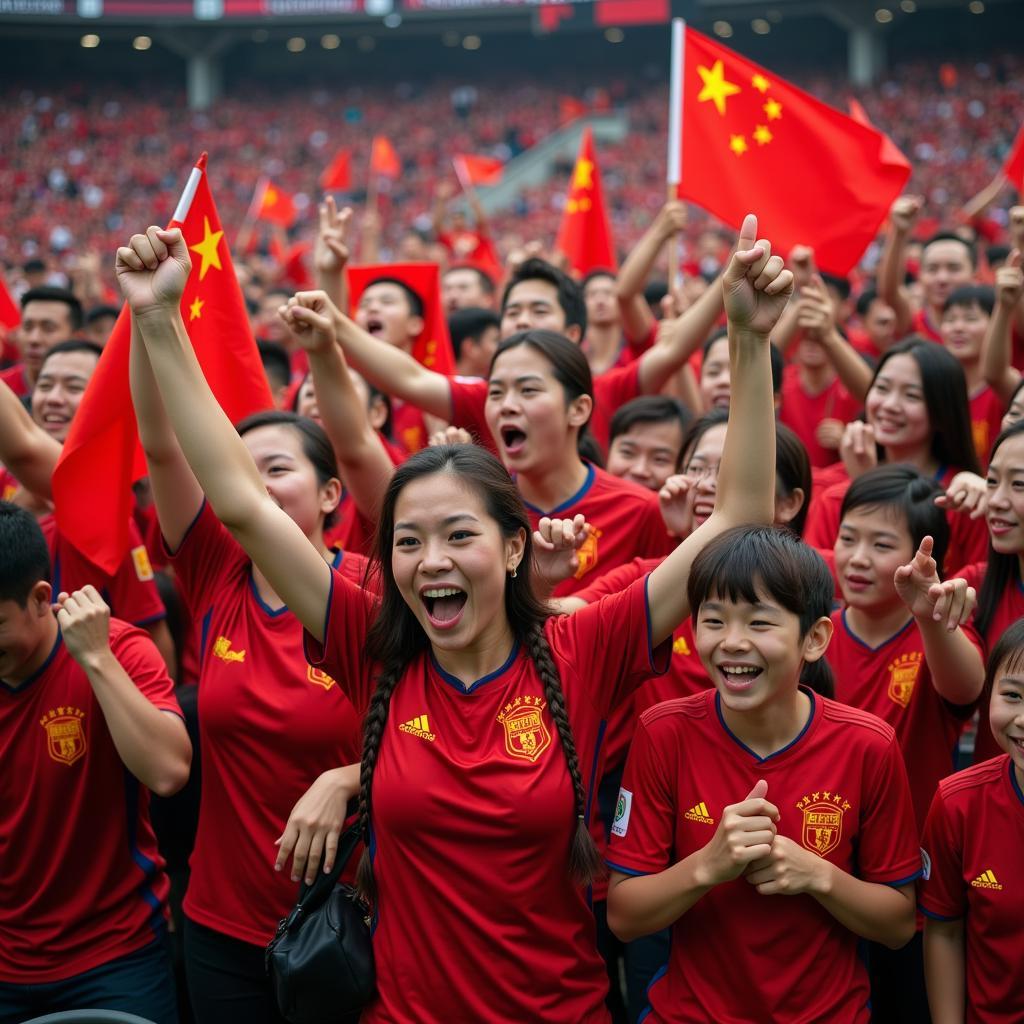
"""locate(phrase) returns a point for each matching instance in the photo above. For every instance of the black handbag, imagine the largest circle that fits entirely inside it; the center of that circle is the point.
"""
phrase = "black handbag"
(320, 961)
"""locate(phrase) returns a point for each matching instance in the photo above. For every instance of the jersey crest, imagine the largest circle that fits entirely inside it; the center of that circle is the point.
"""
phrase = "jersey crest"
(587, 553)
(526, 733)
(65, 737)
(318, 676)
(143, 566)
(222, 650)
(902, 677)
(823, 813)
(680, 646)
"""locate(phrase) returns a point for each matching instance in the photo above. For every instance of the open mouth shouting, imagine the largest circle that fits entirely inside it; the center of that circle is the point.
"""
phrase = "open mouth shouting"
(513, 439)
(738, 677)
(444, 605)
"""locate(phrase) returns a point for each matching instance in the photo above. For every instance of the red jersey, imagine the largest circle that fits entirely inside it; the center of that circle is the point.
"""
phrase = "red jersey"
(973, 839)
(408, 427)
(893, 681)
(987, 410)
(269, 724)
(737, 955)
(1009, 609)
(968, 538)
(626, 521)
(81, 879)
(611, 390)
(921, 324)
(131, 592)
(14, 377)
(802, 412)
(9, 484)
(472, 818)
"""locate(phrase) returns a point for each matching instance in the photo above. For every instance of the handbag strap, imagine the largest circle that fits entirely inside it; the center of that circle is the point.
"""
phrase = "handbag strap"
(312, 896)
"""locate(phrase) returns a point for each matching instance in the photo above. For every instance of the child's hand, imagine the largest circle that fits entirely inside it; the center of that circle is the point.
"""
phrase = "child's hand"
(152, 270)
(744, 835)
(788, 870)
(331, 251)
(310, 318)
(675, 509)
(920, 589)
(555, 543)
(756, 285)
(967, 492)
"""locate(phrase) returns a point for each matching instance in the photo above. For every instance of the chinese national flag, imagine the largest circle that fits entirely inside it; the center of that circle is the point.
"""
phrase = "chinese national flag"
(585, 235)
(101, 456)
(1014, 166)
(337, 177)
(433, 347)
(890, 153)
(477, 170)
(751, 142)
(273, 205)
(384, 162)
(10, 315)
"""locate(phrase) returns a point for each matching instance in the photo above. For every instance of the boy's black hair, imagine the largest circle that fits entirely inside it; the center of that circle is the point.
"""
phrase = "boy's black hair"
(416, 307)
(73, 345)
(903, 488)
(594, 274)
(654, 292)
(99, 312)
(650, 409)
(486, 281)
(865, 299)
(1007, 653)
(471, 323)
(570, 294)
(276, 364)
(997, 254)
(50, 293)
(952, 236)
(982, 295)
(24, 555)
(840, 284)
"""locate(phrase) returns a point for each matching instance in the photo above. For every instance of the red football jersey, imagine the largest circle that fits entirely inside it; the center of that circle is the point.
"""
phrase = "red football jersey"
(14, 377)
(81, 879)
(987, 410)
(968, 538)
(842, 792)
(472, 818)
(1009, 609)
(802, 412)
(408, 427)
(893, 681)
(921, 324)
(973, 839)
(269, 724)
(131, 592)
(626, 521)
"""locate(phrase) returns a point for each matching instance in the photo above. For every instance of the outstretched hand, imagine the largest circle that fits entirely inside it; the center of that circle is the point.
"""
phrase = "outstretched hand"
(927, 597)
(309, 316)
(152, 270)
(756, 285)
(555, 546)
(331, 251)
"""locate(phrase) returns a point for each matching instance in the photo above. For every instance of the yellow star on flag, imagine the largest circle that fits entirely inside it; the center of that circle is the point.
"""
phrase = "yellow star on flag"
(195, 311)
(773, 108)
(738, 144)
(584, 176)
(762, 135)
(716, 88)
(270, 196)
(207, 249)
(760, 83)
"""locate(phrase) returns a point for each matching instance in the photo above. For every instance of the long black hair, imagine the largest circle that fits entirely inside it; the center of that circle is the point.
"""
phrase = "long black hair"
(396, 636)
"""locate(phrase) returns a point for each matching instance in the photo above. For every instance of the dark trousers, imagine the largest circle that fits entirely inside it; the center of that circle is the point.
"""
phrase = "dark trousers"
(898, 993)
(139, 983)
(227, 979)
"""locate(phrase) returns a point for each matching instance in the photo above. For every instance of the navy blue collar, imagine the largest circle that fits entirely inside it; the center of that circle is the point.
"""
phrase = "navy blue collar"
(23, 686)
(857, 640)
(1015, 783)
(455, 682)
(569, 502)
(775, 753)
(274, 612)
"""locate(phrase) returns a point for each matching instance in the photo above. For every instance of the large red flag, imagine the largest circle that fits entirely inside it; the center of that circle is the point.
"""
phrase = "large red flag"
(101, 456)
(890, 152)
(273, 204)
(337, 176)
(10, 315)
(384, 162)
(585, 235)
(472, 170)
(1013, 168)
(433, 347)
(743, 139)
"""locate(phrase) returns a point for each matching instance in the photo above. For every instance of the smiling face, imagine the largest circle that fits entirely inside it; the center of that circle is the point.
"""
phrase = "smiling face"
(602, 305)
(59, 390)
(527, 413)
(715, 387)
(44, 323)
(450, 563)
(896, 408)
(701, 466)
(384, 311)
(26, 634)
(963, 330)
(945, 265)
(754, 653)
(873, 543)
(646, 453)
(1005, 511)
(1006, 713)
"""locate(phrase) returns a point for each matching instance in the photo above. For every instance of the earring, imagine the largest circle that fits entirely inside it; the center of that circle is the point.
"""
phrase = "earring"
(515, 572)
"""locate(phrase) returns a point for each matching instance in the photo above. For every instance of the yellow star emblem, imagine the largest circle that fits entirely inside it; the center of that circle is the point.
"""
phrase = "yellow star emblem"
(762, 135)
(773, 108)
(584, 176)
(760, 83)
(716, 88)
(207, 249)
(738, 144)
(270, 196)
(195, 311)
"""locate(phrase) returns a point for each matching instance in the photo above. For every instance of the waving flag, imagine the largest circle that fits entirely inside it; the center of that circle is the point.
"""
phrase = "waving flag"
(585, 235)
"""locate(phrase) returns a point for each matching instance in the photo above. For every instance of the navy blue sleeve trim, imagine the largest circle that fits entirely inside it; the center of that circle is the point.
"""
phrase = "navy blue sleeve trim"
(625, 871)
(665, 646)
(904, 881)
(938, 917)
(184, 536)
(307, 637)
(159, 617)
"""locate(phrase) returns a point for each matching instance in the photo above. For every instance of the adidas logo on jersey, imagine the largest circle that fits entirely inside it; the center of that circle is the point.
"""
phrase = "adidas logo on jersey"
(418, 726)
(986, 880)
(699, 812)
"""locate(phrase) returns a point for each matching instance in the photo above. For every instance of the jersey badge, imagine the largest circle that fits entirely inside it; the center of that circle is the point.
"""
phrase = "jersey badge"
(680, 646)
(222, 650)
(587, 553)
(699, 812)
(526, 734)
(318, 676)
(418, 726)
(143, 567)
(823, 813)
(902, 677)
(622, 808)
(986, 880)
(65, 737)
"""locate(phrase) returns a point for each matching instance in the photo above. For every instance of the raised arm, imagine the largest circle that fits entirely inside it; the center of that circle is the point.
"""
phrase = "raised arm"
(331, 252)
(26, 449)
(152, 271)
(815, 317)
(637, 318)
(756, 288)
(364, 464)
(996, 349)
(893, 263)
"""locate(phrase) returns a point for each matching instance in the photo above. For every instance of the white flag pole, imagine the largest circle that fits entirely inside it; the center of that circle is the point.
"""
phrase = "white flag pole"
(675, 139)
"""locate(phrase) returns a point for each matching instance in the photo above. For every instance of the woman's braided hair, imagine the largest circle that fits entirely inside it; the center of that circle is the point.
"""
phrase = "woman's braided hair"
(396, 637)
